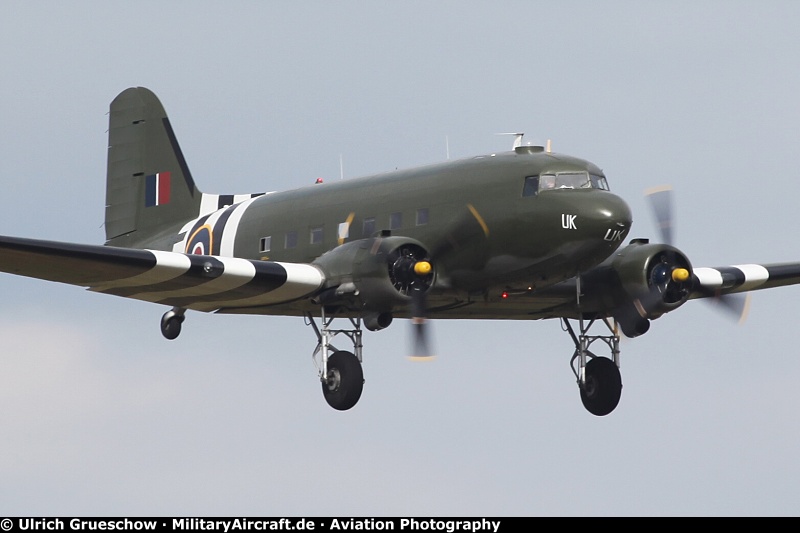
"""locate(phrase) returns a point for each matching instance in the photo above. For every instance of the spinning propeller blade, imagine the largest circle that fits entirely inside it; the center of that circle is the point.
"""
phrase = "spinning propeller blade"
(737, 306)
(734, 305)
(463, 232)
(420, 349)
(468, 228)
(661, 203)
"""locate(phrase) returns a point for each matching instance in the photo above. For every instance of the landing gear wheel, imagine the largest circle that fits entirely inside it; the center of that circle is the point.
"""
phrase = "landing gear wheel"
(344, 382)
(603, 388)
(171, 325)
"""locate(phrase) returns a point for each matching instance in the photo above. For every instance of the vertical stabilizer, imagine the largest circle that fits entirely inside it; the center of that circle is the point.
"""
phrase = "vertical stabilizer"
(149, 188)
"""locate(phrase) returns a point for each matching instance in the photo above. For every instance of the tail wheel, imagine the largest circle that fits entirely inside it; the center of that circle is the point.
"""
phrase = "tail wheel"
(171, 324)
(344, 381)
(603, 387)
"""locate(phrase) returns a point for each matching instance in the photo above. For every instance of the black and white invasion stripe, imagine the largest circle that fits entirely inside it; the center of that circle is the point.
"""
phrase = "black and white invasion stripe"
(221, 224)
(199, 282)
(207, 283)
(211, 202)
(741, 278)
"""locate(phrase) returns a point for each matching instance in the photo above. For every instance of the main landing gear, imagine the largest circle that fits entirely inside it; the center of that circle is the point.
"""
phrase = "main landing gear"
(342, 377)
(598, 377)
(339, 371)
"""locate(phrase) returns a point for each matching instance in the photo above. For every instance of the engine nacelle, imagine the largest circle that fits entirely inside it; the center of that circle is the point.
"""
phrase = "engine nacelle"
(376, 274)
(639, 283)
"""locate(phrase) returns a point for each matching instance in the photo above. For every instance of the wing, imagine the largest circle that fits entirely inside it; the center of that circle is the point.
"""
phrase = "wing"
(199, 282)
(719, 281)
(726, 284)
(642, 282)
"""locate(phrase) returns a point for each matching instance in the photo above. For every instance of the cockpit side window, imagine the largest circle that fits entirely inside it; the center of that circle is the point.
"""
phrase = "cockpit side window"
(599, 182)
(531, 186)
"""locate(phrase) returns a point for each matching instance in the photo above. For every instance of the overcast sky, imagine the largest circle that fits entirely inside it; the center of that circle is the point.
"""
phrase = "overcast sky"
(102, 416)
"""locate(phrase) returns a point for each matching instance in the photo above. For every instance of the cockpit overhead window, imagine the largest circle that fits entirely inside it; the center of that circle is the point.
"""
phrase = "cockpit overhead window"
(563, 180)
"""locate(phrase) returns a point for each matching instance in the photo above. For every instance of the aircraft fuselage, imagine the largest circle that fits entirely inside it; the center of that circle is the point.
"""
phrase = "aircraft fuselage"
(518, 239)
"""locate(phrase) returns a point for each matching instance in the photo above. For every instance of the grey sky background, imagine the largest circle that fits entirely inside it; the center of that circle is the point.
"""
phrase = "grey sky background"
(102, 416)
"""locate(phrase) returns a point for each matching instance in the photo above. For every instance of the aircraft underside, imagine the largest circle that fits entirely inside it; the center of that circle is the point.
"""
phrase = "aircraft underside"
(342, 377)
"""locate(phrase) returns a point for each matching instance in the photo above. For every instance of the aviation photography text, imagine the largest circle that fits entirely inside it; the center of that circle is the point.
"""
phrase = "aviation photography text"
(230, 525)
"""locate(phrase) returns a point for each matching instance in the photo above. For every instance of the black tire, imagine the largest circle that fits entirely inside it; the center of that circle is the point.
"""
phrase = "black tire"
(600, 395)
(171, 326)
(344, 382)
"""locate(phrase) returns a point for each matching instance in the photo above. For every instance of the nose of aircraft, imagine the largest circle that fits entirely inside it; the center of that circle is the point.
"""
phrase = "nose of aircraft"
(612, 212)
(598, 215)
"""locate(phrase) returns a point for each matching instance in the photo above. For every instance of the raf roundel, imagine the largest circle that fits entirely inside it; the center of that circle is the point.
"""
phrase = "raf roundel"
(201, 241)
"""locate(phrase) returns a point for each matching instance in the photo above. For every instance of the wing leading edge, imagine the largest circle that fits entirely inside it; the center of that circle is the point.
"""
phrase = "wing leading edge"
(198, 282)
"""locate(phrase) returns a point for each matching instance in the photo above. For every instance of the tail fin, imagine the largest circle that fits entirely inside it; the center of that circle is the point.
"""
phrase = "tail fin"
(148, 185)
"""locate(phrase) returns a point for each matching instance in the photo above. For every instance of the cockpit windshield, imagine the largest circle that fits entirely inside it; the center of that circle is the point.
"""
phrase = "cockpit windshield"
(563, 180)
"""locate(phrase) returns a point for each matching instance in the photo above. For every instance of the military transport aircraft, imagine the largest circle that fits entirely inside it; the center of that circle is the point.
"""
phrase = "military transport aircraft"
(527, 234)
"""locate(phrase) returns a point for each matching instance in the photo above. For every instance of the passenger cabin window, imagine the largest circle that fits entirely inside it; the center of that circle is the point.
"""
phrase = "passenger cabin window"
(291, 239)
(264, 244)
(368, 228)
(316, 235)
(563, 180)
(395, 220)
(344, 231)
(422, 216)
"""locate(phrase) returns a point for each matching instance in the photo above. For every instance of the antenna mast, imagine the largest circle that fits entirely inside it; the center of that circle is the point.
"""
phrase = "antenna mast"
(517, 138)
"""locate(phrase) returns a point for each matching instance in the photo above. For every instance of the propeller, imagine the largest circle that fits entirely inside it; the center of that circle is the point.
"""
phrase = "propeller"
(661, 204)
(462, 232)
(411, 273)
(418, 271)
(420, 348)
(735, 305)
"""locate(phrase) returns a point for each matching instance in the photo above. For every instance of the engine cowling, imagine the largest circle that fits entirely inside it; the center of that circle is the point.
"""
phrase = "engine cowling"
(376, 274)
(639, 283)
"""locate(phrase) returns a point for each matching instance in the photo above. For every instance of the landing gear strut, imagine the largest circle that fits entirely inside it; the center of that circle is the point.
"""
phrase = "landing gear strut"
(339, 371)
(598, 377)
